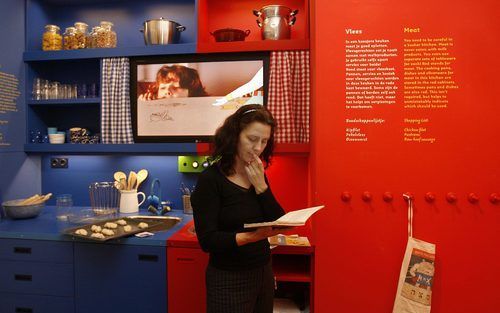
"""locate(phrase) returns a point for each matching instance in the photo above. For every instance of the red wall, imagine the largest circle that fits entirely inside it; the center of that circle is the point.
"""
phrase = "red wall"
(360, 245)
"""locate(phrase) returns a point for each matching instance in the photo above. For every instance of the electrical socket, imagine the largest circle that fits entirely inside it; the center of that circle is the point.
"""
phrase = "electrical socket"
(59, 162)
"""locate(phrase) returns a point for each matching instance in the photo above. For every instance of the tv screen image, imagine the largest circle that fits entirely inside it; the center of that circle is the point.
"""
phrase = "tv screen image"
(185, 98)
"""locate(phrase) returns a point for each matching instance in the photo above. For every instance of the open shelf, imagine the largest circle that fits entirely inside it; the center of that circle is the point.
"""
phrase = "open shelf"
(39, 55)
(61, 102)
(292, 267)
(139, 148)
(261, 45)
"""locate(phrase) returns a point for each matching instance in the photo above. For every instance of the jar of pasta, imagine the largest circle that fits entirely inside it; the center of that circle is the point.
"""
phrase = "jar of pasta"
(106, 36)
(51, 39)
(81, 34)
(70, 40)
(92, 42)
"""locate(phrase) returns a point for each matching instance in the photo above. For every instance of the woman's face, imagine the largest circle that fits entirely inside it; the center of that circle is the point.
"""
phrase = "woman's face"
(252, 141)
(170, 88)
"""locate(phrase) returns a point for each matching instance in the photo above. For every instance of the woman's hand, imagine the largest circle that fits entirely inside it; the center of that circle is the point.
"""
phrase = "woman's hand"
(259, 234)
(255, 173)
(146, 96)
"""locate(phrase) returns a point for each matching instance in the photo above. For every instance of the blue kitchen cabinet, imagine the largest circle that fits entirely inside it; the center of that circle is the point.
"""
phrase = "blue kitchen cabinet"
(36, 276)
(119, 278)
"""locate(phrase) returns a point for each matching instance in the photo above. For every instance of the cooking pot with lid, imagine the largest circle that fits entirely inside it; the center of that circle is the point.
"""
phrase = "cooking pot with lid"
(275, 21)
(230, 34)
(162, 31)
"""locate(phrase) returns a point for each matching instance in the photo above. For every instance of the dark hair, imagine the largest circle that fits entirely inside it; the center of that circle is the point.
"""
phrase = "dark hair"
(227, 136)
(188, 79)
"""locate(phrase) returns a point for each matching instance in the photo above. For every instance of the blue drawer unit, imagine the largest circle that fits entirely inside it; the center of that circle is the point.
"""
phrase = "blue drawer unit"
(37, 278)
(119, 278)
(11, 303)
(36, 251)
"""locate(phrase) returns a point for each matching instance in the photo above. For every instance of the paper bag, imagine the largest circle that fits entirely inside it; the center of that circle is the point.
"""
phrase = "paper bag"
(416, 278)
(414, 292)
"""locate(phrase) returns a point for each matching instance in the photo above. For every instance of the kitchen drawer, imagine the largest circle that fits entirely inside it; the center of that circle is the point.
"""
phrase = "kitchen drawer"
(17, 303)
(36, 250)
(37, 278)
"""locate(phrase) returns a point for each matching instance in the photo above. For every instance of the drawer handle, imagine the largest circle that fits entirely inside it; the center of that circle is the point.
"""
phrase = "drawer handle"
(148, 257)
(24, 310)
(187, 260)
(23, 277)
(22, 250)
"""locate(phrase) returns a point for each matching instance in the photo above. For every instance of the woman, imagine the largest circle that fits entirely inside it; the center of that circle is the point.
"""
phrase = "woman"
(231, 192)
(175, 81)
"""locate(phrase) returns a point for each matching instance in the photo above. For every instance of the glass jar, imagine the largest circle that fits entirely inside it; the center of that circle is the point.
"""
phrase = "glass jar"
(81, 34)
(106, 36)
(91, 37)
(51, 39)
(70, 40)
(54, 90)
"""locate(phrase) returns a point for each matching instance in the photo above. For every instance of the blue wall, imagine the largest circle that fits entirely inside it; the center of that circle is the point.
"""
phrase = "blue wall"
(19, 175)
(83, 170)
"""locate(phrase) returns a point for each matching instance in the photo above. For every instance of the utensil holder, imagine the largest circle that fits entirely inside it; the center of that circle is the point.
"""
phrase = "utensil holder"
(186, 203)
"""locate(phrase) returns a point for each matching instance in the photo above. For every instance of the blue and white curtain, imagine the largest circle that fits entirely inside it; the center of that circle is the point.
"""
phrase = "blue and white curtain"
(116, 123)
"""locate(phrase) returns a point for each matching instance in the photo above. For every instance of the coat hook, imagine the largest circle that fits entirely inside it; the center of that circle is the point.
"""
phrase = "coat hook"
(387, 196)
(430, 197)
(473, 198)
(346, 196)
(408, 195)
(495, 198)
(451, 197)
(366, 196)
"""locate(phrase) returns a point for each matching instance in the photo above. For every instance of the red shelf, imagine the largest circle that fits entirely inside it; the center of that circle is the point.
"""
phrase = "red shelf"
(296, 268)
(261, 45)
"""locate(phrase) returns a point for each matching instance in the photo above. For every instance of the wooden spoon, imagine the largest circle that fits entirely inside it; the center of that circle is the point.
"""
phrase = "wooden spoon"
(141, 176)
(132, 180)
(119, 175)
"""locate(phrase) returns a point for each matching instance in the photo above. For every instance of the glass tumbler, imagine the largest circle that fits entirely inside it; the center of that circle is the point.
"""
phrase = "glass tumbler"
(64, 203)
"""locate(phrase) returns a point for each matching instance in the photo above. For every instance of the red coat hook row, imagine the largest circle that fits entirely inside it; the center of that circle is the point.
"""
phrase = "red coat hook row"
(429, 197)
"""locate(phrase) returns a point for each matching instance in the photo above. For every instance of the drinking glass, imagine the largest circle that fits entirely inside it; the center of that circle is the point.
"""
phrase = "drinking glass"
(64, 203)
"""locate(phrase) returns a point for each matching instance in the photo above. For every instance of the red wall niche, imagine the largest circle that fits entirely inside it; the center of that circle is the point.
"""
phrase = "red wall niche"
(430, 129)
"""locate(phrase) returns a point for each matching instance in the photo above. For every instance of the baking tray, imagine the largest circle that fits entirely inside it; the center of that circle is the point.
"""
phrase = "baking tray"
(119, 232)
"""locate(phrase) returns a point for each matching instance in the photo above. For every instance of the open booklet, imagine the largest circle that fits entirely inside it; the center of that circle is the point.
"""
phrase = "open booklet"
(293, 218)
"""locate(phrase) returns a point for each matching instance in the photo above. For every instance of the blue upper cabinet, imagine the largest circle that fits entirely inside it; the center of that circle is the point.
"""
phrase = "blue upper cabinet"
(127, 16)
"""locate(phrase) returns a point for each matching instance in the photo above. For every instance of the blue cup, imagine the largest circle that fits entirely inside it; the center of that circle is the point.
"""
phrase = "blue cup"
(51, 130)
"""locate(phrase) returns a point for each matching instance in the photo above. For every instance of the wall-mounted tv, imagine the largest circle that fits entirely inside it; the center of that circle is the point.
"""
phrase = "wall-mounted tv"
(184, 98)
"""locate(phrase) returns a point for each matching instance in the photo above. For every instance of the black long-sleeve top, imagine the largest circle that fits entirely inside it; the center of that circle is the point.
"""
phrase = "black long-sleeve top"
(220, 209)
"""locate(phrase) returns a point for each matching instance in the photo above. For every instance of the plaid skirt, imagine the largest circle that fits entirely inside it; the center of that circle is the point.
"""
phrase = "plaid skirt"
(246, 291)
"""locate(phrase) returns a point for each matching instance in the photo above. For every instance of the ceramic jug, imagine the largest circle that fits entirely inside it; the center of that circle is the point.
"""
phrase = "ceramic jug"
(129, 202)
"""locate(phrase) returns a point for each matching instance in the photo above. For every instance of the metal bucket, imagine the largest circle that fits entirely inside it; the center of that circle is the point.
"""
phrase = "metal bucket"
(162, 31)
(275, 21)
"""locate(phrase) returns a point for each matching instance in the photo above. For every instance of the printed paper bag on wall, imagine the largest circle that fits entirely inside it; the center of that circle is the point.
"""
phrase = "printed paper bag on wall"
(416, 278)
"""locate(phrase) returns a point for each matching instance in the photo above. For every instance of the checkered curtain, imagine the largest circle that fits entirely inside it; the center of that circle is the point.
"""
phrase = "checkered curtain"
(289, 93)
(116, 124)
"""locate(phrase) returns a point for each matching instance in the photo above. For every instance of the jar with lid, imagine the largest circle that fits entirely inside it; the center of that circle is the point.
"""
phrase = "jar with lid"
(106, 36)
(51, 39)
(69, 39)
(81, 34)
(92, 42)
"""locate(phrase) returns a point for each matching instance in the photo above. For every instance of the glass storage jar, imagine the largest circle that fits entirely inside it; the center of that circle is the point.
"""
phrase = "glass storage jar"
(69, 39)
(51, 39)
(93, 37)
(81, 34)
(106, 36)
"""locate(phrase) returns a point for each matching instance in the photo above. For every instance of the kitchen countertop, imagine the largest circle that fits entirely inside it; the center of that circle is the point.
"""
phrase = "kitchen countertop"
(47, 227)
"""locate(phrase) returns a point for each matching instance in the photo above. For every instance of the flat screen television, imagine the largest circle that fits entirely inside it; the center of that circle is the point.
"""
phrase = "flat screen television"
(185, 98)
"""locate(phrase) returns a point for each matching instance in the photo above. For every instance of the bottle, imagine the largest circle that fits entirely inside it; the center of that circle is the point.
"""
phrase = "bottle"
(51, 39)
(81, 34)
(70, 40)
(106, 36)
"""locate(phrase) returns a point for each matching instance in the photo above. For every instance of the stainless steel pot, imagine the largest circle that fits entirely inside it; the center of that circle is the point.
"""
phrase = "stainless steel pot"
(162, 31)
(275, 21)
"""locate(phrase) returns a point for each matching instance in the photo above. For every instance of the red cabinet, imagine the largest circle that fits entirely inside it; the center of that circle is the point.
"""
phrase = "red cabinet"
(186, 262)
